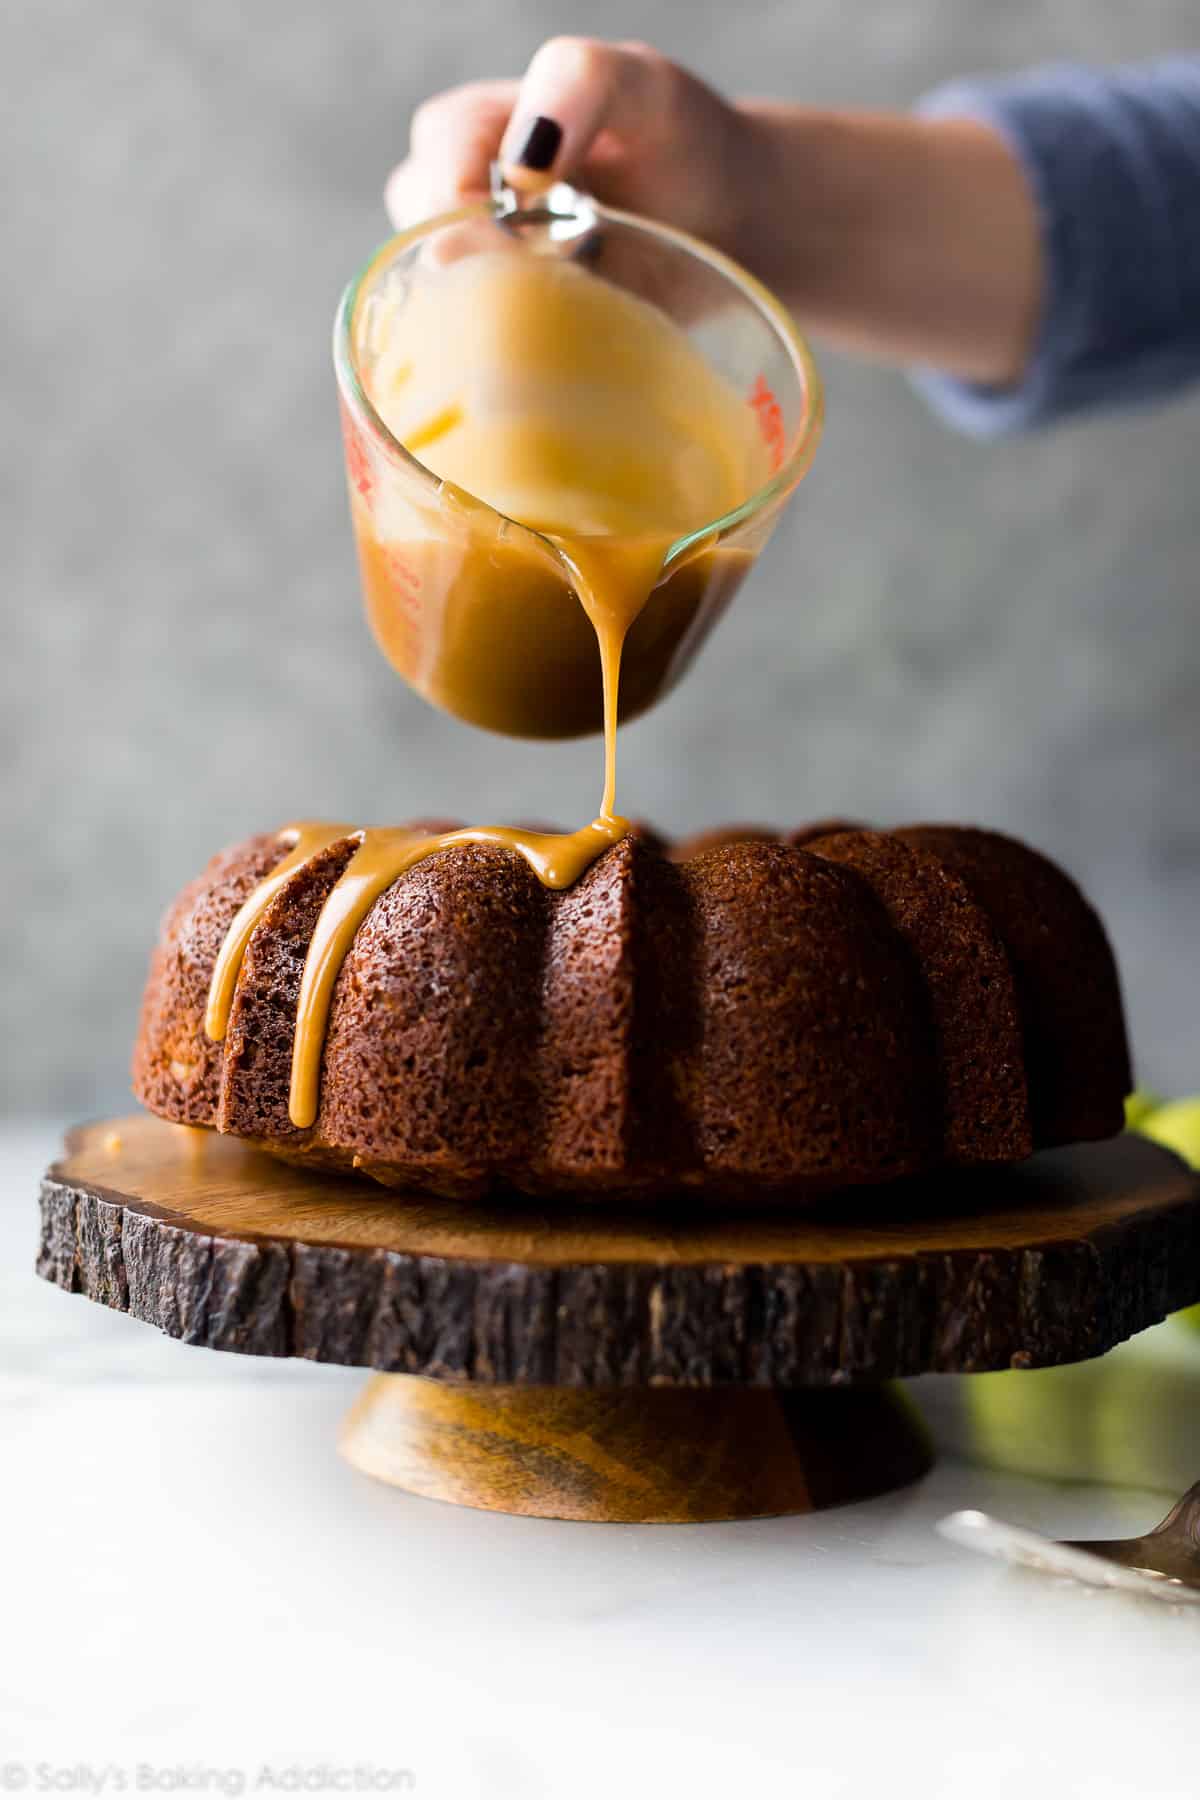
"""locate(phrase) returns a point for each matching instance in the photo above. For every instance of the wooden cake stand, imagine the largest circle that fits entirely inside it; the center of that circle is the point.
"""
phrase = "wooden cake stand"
(579, 1363)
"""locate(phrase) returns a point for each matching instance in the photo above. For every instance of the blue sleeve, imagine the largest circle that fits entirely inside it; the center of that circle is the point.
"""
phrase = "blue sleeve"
(1113, 160)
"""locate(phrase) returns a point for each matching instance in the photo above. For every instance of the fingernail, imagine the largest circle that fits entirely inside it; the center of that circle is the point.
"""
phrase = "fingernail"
(541, 144)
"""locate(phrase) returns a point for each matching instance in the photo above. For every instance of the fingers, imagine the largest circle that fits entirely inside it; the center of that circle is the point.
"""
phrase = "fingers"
(578, 96)
(453, 140)
(574, 90)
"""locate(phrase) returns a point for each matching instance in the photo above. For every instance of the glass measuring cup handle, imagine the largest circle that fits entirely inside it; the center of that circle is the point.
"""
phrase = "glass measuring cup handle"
(566, 211)
(505, 199)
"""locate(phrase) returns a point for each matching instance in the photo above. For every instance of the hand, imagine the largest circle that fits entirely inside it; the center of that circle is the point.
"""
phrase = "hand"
(911, 240)
(619, 121)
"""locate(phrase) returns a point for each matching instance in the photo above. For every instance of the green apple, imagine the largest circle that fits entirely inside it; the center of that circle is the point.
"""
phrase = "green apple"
(1138, 1107)
(1108, 1420)
(1128, 1419)
(1176, 1125)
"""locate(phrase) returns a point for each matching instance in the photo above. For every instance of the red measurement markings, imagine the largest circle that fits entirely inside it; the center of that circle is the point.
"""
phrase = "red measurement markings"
(770, 420)
(358, 460)
(406, 582)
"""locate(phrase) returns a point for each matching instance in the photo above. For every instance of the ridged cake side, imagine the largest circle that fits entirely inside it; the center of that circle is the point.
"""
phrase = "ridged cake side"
(743, 1016)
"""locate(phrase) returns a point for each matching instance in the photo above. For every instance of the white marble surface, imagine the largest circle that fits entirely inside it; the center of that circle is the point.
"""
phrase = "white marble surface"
(192, 1582)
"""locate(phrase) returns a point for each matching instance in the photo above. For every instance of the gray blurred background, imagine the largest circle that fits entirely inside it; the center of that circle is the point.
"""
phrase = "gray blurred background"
(1004, 634)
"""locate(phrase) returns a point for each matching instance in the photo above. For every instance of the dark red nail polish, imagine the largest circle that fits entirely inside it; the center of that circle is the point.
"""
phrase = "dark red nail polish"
(541, 145)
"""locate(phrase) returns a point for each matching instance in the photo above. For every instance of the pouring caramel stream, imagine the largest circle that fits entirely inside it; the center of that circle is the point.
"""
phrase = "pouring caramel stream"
(384, 854)
(584, 413)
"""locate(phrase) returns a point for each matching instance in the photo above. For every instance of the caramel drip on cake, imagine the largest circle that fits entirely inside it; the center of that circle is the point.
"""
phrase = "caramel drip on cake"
(307, 841)
(383, 855)
(614, 582)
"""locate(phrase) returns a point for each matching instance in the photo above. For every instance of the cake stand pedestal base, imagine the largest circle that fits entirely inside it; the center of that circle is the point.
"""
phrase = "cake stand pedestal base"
(642, 1455)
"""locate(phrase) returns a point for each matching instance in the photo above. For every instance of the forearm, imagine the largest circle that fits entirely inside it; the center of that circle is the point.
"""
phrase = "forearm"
(1028, 245)
(912, 240)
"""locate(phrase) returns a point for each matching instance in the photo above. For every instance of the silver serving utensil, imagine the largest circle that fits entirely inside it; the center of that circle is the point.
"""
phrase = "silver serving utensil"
(1164, 1563)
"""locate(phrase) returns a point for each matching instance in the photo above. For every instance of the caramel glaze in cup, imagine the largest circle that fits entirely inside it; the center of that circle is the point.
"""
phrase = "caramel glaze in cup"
(476, 677)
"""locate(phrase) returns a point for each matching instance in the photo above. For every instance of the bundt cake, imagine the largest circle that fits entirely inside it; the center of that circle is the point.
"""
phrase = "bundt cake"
(744, 1015)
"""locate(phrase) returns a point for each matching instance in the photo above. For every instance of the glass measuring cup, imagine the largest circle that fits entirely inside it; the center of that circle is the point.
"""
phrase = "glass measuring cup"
(478, 611)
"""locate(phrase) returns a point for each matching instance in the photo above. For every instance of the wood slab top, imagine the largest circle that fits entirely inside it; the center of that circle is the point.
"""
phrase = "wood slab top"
(1051, 1261)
